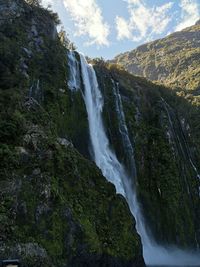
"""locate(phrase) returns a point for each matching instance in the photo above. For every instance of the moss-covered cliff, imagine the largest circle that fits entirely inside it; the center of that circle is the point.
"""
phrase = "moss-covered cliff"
(165, 127)
(165, 138)
(56, 207)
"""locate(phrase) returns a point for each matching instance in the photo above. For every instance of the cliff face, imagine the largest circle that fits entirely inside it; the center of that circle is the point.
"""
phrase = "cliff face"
(56, 207)
(167, 132)
(173, 60)
(166, 144)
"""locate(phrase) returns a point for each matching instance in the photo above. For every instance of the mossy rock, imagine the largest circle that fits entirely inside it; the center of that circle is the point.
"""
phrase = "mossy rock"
(56, 207)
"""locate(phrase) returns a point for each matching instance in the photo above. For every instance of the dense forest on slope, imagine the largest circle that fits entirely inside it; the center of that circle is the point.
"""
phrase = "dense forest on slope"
(165, 134)
(173, 60)
(56, 207)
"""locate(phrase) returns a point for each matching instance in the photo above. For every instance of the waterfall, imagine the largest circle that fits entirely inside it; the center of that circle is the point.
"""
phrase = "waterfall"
(184, 149)
(115, 172)
(104, 158)
(180, 145)
(127, 146)
(154, 254)
(74, 79)
(130, 182)
(36, 92)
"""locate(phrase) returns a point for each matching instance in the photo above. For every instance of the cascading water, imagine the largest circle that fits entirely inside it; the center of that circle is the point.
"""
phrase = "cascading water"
(35, 91)
(74, 80)
(153, 253)
(181, 148)
(184, 150)
(127, 146)
(103, 156)
(115, 172)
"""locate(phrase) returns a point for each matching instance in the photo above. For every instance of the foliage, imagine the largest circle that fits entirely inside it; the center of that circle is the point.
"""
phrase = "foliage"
(34, 2)
(160, 158)
(55, 204)
(64, 39)
(173, 60)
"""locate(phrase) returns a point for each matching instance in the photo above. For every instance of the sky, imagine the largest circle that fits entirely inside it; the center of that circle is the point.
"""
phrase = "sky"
(106, 28)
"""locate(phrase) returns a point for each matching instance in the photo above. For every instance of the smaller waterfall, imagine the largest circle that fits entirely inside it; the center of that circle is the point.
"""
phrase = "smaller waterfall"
(74, 79)
(36, 92)
(185, 150)
(124, 131)
(180, 144)
(131, 181)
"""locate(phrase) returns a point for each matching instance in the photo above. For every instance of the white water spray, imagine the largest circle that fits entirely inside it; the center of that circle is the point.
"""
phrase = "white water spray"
(153, 253)
(114, 171)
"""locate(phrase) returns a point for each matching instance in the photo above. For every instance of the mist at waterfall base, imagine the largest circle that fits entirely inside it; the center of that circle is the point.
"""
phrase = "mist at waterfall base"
(113, 170)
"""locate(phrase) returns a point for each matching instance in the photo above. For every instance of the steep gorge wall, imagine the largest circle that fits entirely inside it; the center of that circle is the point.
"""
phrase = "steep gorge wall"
(166, 147)
(166, 153)
(49, 192)
(56, 207)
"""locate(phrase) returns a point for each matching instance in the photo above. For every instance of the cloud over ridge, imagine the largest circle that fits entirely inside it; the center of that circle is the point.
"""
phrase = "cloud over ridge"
(144, 21)
(88, 20)
(189, 13)
(137, 21)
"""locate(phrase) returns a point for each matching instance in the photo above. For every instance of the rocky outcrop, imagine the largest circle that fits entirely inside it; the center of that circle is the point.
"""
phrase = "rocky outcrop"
(57, 208)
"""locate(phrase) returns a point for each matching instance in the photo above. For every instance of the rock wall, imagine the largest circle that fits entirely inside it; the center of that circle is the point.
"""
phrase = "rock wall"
(56, 207)
(166, 151)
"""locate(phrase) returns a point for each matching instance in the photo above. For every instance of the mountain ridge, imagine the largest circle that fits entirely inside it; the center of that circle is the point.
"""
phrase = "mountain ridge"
(173, 60)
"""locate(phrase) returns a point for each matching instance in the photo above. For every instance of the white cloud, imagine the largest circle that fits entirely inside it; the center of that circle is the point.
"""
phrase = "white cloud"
(123, 28)
(88, 20)
(190, 13)
(136, 2)
(45, 3)
(144, 21)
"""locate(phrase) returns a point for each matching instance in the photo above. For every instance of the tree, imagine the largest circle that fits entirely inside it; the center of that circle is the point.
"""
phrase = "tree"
(54, 16)
(34, 2)
(65, 40)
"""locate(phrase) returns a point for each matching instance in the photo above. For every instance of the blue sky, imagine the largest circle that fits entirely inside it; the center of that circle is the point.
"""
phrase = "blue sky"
(105, 28)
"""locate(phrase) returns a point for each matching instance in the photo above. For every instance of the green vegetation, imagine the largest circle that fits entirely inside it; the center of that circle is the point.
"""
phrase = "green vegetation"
(56, 207)
(164, 170)
(173, 60)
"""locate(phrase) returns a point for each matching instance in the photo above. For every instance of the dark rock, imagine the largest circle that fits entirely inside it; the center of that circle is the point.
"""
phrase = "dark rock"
(29, 254)
(23, 154)
(22, 208)
(33, 137)
(64, 142)
(34, 31)
(41, 209)
(91, 260)
(10, 10)
(36, 172)
(28, 52)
